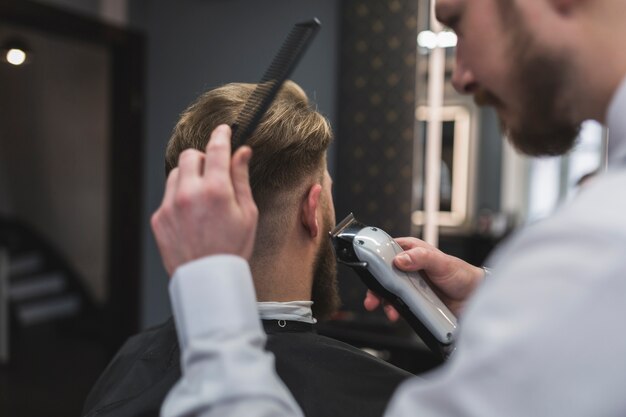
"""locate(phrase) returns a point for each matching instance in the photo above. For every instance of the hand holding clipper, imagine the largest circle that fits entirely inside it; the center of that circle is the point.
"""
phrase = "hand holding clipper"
(370, 252)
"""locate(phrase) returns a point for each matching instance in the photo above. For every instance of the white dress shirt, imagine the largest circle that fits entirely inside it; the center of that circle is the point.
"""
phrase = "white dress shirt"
(543, 337)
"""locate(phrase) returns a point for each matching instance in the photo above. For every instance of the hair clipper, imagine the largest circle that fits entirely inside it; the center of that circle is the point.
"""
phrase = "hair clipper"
(370, 252)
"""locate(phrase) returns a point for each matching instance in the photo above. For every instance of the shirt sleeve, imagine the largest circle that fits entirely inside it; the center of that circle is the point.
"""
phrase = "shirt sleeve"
(225, 369)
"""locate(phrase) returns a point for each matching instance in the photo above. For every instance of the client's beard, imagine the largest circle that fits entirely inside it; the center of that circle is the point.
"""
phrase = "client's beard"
(325, 292)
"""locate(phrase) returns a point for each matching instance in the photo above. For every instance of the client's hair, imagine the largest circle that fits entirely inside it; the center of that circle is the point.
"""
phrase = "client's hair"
(289, 146)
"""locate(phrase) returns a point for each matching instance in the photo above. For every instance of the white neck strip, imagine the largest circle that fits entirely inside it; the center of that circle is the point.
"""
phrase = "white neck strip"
(290, 310)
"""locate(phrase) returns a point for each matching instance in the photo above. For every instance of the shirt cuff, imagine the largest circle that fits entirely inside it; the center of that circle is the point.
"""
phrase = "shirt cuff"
(213, 295)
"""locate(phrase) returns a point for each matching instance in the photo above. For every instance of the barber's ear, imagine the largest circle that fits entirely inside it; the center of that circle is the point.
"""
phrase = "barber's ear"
(309, 210)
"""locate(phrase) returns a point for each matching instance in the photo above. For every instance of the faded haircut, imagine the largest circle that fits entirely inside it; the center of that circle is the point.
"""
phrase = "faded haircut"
(289, 148)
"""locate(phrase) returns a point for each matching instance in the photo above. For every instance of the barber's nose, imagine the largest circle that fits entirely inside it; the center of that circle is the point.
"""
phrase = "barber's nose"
(463, 79)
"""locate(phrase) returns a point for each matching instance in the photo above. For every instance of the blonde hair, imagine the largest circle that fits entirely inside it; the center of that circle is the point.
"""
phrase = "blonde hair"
(289, 145)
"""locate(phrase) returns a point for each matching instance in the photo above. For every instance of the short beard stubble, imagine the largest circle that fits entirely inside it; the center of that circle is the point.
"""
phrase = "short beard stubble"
(541, 79)
(325, 291)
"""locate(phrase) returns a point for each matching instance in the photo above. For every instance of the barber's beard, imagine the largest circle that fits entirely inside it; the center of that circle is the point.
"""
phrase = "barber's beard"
(325, 292)
(544, 126)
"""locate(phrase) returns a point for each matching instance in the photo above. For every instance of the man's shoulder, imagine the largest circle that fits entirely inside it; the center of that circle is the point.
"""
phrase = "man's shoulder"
(329, 377)
(150, 342)
(333, 354)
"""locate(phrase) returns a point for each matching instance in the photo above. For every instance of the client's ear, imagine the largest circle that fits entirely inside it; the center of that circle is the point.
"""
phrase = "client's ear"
(308, 211)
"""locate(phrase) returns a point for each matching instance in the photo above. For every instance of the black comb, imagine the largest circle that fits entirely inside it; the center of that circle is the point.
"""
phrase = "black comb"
(282, 66)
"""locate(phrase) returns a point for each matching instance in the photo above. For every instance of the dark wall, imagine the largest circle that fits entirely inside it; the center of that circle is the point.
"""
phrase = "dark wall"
(196, 45)
(376, 112)
(89, 7)
(376, 120)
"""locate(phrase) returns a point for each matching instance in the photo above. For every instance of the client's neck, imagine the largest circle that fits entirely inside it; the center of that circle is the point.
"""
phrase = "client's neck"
(285, 276)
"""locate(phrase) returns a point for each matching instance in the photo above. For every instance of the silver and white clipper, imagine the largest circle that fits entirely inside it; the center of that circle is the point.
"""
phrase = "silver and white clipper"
(370, 252)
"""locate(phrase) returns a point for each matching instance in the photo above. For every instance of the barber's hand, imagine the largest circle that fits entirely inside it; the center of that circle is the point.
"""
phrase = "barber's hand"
(453, 279)
(208, 207)
(372, 301)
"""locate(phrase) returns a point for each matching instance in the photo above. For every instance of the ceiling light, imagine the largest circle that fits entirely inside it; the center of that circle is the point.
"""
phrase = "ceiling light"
(16, 56)
(15, 52)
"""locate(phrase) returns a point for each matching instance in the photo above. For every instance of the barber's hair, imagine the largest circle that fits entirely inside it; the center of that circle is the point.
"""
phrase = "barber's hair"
(288, 146)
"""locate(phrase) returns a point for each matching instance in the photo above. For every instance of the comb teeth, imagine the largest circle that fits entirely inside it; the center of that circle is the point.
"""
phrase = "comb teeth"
(281, 67)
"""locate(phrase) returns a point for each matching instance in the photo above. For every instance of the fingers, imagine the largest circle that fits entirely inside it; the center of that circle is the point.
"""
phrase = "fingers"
(217, 161)
(391, 313)
(190, 165)
(156, 221)
(170, 187)
(411, 242)
(417, 254)
(415, 259)
(205, 195)
(240, 176)
(371, 301)
(243, 192)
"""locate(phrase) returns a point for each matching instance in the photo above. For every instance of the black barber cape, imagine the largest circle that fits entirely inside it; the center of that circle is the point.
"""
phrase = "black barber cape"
(327, 378)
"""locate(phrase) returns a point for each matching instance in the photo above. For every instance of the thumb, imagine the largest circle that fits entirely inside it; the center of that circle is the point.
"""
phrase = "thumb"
(412, 259)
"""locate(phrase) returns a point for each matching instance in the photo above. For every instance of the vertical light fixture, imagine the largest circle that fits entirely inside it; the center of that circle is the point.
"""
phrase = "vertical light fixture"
(436, 79)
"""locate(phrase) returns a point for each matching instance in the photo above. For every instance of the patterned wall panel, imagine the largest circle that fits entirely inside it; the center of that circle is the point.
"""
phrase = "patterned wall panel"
(376, 112)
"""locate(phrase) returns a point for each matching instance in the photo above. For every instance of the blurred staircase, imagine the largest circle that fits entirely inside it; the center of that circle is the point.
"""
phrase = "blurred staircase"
(39, 293)
(37, 286)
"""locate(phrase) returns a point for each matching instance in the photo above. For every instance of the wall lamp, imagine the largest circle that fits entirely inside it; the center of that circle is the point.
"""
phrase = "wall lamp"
(15, 52)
